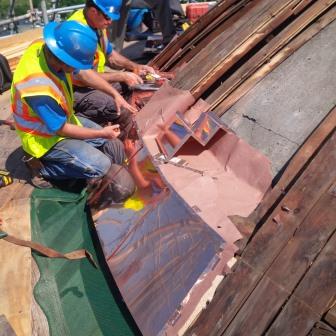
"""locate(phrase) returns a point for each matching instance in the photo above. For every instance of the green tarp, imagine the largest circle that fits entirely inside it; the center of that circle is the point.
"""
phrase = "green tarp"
(77, 298)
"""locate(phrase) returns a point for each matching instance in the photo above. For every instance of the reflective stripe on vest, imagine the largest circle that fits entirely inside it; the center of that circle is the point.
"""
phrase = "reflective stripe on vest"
(34, 78)
(37, 128)
(28, 87)
(39, 82)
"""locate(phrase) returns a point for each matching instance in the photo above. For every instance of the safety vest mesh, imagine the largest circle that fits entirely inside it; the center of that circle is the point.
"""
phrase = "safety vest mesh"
(34, 78)
(100, 55)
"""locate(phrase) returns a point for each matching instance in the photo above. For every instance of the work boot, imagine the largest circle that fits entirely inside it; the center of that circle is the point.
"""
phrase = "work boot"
(34, 166)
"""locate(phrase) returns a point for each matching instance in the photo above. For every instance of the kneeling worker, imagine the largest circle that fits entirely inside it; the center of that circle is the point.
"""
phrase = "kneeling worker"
(42, 103)
(95, 104)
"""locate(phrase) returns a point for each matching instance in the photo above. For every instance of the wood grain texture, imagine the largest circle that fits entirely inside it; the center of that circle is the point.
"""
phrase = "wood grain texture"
(270, 49)
(312, 298)
(272, 63)
(268, 243)
(223, 52)
(286, 272)
(15, 275)
(202, 25)
(12, 47)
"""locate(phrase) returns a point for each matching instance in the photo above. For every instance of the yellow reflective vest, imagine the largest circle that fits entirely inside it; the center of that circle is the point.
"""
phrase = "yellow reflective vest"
(33, 77)
(100, 56)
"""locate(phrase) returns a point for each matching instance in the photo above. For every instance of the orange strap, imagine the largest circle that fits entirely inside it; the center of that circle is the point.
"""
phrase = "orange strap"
(49, 252)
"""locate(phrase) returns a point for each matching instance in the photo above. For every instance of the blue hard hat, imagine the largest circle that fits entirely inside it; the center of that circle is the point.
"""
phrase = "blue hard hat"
(72, 42)
(111, 8)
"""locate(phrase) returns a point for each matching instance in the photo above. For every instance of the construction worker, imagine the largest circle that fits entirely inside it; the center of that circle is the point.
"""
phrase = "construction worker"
(63, 145)
(163, 11)
(94, 104)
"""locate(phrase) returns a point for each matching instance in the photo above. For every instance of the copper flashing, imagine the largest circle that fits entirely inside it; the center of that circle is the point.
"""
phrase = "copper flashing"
(169, 243)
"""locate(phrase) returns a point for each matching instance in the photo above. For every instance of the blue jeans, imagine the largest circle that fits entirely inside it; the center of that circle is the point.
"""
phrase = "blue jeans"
(82, 159)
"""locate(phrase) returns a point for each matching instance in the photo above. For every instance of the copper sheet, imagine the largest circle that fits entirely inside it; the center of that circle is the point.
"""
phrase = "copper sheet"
(157, 251)
(168, 243)
(162, 106)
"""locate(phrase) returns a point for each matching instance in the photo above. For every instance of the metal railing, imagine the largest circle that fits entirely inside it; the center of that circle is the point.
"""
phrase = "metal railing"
(37, 15)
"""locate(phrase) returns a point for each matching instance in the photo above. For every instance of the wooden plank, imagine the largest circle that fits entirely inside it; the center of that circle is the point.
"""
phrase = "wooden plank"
(295, 167)
(233, 16)
(219, 60)
(330, 317)
(242, 49)
(15, 275)
(202, 24)
(294, 45)
(222, 45)
(264, 54)
(226, 302)
(15, 40)
(322, 329)
(287, 270)
(315, 294)
(282, 223)
(214, 29)
(294, 328)
(268, 242)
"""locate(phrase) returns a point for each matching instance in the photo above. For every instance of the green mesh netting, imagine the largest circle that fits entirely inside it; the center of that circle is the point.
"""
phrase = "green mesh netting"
(76, 298)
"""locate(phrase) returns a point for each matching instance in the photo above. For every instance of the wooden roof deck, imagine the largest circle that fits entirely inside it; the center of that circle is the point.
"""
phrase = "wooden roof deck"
(19, 272)
(284, 282)
(15, 275)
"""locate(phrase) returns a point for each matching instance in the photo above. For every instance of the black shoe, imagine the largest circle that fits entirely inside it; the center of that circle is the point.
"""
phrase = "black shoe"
(40, 182)
(36, 179)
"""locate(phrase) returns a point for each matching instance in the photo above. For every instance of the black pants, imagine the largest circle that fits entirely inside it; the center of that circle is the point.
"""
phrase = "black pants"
(163, 13)
(100, 108)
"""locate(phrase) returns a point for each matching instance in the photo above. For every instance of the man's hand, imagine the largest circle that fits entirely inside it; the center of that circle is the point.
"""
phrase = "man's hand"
(130, 148)
(142, 69)
(111, 132)
(131, 79)
(122, 103)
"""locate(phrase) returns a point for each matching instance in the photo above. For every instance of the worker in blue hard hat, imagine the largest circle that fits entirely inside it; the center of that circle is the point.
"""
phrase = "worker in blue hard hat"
(58, 144)
(94, 104)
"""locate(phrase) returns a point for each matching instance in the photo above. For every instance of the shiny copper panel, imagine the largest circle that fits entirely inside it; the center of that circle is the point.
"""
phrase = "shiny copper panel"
(169, 244)
(156, 252)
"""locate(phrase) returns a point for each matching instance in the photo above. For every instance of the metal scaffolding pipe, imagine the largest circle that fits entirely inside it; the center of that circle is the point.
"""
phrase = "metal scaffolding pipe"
(44, 12)
(14, 19)
(39, 13)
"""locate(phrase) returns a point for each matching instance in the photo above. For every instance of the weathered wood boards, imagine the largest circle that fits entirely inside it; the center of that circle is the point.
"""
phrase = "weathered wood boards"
(196, 32)
(12, 47)
(294, 169)
(238, 43)
(15, 275)
(274, 52)
(294, 251)
(246, 85)
(285, 280)
(235, 42)
(330, 316)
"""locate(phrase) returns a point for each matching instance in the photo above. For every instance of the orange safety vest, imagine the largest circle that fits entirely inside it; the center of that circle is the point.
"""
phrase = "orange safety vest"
(34, 78)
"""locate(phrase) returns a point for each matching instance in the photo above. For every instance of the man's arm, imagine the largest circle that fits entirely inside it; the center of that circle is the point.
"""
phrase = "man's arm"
(120, 61)
(94, 80)
(55, 120)
(82, 133)
(129, 78)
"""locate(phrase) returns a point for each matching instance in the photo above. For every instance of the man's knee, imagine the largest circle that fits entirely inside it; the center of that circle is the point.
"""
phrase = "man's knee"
(114, 149)
(116, 186)
(122, 184)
